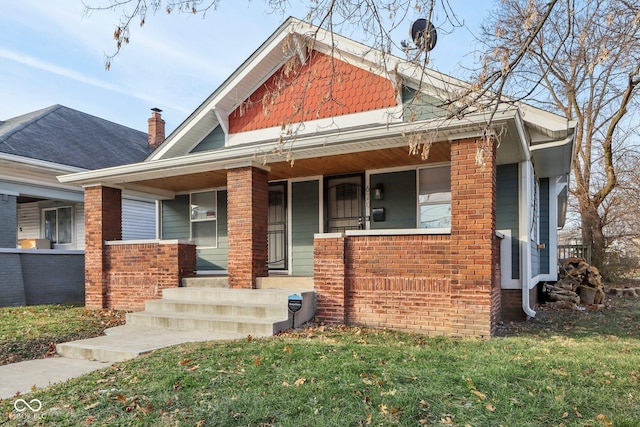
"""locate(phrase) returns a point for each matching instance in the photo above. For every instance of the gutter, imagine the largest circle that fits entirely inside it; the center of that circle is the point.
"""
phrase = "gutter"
(525, 248)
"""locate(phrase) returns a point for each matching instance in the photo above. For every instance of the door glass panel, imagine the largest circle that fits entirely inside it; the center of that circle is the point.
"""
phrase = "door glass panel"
(50, 230)
(344, 204)
(64, 226)
(277, 227)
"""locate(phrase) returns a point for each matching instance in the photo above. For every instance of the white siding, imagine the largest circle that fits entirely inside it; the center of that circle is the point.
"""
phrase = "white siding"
(138, 219)
(79, 226)
(28, 221)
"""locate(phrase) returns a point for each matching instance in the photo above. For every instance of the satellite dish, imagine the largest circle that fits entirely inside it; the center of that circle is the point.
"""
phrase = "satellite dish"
(424, 34)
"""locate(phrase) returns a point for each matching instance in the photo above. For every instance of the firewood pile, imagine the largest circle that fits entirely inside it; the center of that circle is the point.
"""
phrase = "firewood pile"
(579, 284)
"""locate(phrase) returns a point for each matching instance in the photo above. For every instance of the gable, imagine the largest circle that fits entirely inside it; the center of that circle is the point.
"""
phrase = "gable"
(321, 88)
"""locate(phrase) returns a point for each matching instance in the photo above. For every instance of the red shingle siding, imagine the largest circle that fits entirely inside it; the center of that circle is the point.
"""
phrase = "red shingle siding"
(247, 204)
(323, 87)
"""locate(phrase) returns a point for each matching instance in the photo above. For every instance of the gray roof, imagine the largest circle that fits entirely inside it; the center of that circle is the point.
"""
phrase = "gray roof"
(66, 136)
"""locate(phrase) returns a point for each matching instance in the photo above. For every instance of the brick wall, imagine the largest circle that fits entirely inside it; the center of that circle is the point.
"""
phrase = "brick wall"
(511, 304)
(329, 277)
(436, 284)
(247, 207)
(473, 229)
(136, 272)
(102, 221)
(124, 275)
(399, 282)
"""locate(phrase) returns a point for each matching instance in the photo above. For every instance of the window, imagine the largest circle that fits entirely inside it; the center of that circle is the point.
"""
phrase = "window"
(58, 225)
(434, 197)
(204, 219)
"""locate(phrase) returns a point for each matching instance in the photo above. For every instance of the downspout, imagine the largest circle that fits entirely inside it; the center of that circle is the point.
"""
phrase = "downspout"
(525, 248)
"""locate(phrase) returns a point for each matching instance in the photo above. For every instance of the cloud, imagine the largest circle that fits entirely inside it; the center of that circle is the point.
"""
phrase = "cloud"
(39, 64)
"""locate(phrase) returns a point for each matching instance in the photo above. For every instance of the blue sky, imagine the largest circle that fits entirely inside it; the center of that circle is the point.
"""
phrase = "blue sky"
(50, 53)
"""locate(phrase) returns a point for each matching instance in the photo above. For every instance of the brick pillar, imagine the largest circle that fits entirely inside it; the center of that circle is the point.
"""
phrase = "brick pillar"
(103, 222)
(329, 277)
(473, 227)
(247, 213)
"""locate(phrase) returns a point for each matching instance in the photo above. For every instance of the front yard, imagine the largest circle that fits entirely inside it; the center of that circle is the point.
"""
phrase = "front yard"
(560, 369)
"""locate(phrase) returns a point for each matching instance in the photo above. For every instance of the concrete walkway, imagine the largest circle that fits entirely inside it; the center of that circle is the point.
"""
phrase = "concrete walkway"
(83, 356)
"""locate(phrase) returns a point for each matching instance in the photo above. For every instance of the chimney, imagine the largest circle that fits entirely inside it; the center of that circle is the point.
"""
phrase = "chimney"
(156, 128)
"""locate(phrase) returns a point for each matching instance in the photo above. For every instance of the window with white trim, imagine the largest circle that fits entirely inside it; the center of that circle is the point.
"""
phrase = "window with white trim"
(204, 219)
(434, 197)
(57, 225)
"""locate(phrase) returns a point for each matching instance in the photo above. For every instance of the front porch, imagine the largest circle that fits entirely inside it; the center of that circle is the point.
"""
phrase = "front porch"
(442, 281)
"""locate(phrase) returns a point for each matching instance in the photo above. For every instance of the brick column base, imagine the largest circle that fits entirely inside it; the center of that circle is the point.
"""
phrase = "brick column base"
(329, 277)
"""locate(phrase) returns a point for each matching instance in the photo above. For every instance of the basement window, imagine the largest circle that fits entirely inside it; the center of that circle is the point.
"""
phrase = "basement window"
(204, 219)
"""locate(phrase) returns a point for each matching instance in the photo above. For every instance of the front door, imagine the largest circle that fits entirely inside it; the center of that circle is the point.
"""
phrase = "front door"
(277, 226)
(345, 207)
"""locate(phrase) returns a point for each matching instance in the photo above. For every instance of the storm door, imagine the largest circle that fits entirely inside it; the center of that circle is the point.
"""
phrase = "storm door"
(277, 226)
(344, 197)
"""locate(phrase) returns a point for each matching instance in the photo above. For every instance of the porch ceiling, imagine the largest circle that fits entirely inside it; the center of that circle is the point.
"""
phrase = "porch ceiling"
(307, 167)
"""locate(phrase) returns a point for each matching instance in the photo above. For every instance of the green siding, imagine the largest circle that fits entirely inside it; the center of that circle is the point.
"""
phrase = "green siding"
(175, 218)
(421, 107)
(216, 258)
(545, 232)
(399, 200)
(176, 225)
(213, 141)
(507, 214)
(305, 219)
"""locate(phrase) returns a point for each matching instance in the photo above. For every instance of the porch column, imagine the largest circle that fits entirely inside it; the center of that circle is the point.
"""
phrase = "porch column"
(102, 222)
(473, 227)
(247, 213)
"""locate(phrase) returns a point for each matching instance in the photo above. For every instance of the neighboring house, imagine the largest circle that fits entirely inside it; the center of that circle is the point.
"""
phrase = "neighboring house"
(42, 234)
(447, 245)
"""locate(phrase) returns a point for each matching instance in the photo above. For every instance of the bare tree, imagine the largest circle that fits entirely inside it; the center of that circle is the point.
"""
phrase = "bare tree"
(579, 57)
(585, 64)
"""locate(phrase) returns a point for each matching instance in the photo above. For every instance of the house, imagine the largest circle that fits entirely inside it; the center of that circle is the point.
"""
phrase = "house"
(42, 237)
(297, 169)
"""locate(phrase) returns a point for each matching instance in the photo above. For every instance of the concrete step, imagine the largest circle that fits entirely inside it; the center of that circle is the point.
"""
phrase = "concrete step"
(205, 323)
(233, 309)
(129, 341)
(294, 283)
(205, 282)
(244, 296)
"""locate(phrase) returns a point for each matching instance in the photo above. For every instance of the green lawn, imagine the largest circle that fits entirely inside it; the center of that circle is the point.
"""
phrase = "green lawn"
(32, 332)
(562, 369)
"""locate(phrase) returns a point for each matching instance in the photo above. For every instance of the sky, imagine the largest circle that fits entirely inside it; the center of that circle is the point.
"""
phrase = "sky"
(53, 53)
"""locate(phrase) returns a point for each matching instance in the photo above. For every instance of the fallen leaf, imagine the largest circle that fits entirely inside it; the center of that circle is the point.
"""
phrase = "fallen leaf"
(383, 409)
(490, 407)
(300, 381)
(479, 394)
(287, 349)
(200, 423)
(604, 420)
(565, 415)
(193, 368)
(184, 362)
(257, 361)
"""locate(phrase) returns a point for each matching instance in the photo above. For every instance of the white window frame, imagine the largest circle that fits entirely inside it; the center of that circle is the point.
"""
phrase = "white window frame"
(419, 205)
(72, 225)
(194, 219)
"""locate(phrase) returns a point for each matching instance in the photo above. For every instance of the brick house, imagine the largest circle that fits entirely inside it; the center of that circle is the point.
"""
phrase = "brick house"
(297, 169)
